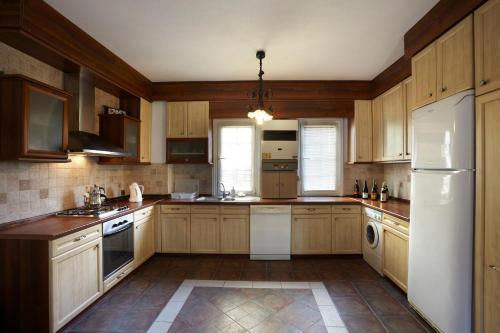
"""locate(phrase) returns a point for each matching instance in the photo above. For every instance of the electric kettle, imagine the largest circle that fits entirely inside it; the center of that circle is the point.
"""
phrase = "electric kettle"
(136, 191)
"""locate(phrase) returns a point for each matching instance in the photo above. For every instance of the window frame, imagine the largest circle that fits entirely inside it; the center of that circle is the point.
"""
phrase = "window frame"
(340, 124)
(217, 125)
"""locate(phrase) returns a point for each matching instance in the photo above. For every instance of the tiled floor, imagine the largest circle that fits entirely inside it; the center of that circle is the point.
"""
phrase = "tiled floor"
(366, 302)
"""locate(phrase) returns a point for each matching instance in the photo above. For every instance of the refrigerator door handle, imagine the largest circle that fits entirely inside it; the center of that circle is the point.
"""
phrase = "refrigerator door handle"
(443, 171)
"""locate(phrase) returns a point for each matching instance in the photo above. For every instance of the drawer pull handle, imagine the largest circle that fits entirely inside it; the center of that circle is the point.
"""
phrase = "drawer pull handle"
(311, 209)
(82, 237)
(443, 89)
(346, 208)
(120, 276)
(430, 94)
(397, 223)
(483, 82)
(495, 268)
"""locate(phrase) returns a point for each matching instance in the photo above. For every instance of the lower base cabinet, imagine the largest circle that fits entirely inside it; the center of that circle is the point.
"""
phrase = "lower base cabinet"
(395, 245)
(235, 234)
(144, 237)
(76, 281)
(205, 233)
(176, 233)
(347, 234)
(312, 234)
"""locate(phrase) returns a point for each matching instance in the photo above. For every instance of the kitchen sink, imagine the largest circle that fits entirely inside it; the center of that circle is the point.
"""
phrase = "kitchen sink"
(217, 199)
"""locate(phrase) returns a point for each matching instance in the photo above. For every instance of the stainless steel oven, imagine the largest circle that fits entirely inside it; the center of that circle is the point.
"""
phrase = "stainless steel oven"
(117, 244)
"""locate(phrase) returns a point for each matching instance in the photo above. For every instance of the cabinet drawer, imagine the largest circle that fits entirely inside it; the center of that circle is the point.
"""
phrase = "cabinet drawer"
(175, 209)
(74, 240)
(111, 281)
(346, 209)
(395, 223)
(235, 210)
(311, 209)
(205, 209)
(143, 213)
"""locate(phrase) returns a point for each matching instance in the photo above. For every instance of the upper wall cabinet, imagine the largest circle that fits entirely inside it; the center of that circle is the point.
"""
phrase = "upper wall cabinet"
(487, 47)
(187, 120)
(445, 67)
(360, 131)
(123, 131)
(33, 120)
(145, 115)
(455, 60)
(377, 129)
(393, 120)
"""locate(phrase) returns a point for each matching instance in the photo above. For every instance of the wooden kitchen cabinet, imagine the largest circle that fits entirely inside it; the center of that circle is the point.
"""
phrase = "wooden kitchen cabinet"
(393, 121)
(395, 241)
(76, 281)
(455, 66)
(34, 121)
(346, 233)
(124, 132)
(235, 234)
(144, 236)
(487, 223)
(312, 234)
(146, 121)
(176, 233)
(424, 73)
(409, 101)
(487, 47)
(205, 233)
(187, 119)
(377, 129)
(360, 132)
(279, 184)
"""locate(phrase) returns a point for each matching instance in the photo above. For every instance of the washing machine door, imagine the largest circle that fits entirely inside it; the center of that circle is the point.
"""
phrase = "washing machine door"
(371, 234)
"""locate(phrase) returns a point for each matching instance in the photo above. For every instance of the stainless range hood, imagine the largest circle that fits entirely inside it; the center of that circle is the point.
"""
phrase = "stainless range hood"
(81, 115)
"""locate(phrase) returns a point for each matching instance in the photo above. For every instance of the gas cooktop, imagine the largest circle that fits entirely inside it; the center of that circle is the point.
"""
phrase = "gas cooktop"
(97, 211)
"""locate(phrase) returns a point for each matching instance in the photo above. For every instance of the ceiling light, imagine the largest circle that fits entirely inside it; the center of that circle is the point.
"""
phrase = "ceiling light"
(259, 113)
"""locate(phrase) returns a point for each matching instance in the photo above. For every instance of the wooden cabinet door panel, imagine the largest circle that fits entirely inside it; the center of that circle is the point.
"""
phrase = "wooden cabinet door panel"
(197, 119)
(487, 229)
(395, 256)
(270, 184)
(288, 184)
(424, 76)
(143, 240)
(487, 47)
(409, 100)
(346, 233)
(393, 115)
(363, 129)
(455, 60)
(145, 131)
(377, 129)
(176, 233)
(176, 119)
(235, 234)
(311, 234)
(205, 233)
(76, 281)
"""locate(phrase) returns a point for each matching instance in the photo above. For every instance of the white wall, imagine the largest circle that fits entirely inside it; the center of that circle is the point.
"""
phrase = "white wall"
(158, 132)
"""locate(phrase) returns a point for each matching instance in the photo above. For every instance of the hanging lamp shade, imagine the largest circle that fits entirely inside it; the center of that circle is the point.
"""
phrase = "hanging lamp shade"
(259, 113)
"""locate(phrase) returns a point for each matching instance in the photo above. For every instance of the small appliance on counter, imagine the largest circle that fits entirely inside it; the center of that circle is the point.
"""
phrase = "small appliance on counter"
(136, 191)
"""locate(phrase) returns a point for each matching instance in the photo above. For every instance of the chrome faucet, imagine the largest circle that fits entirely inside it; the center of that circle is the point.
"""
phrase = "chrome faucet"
(223, 190)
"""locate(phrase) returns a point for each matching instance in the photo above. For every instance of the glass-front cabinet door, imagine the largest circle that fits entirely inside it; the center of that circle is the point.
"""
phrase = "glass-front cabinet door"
(45, 122)
(131, 139)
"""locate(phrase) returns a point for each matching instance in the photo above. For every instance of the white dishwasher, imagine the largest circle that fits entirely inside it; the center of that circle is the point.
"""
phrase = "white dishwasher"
(270, 232)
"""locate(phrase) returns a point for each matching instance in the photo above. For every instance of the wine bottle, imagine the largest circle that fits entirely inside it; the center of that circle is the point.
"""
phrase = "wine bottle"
(374, 193)
(384, 193)
(365, 193)
(356, 189)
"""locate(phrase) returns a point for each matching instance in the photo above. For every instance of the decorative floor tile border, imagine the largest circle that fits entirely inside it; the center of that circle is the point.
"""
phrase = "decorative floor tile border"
(329, 313)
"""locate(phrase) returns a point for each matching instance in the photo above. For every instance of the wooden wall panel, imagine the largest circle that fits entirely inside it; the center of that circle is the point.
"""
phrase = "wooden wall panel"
(391, 76)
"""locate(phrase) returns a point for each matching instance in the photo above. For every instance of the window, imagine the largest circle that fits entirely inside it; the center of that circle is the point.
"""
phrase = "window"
(236, 152)
(321, 156)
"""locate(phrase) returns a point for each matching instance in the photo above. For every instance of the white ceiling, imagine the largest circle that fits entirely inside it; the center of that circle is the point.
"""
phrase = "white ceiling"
(198, 40)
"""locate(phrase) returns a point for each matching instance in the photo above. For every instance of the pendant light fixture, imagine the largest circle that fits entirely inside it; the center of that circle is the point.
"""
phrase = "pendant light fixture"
(259, 113)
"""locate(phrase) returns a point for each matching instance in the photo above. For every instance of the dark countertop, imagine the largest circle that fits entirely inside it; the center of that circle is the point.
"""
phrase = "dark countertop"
(52, 227)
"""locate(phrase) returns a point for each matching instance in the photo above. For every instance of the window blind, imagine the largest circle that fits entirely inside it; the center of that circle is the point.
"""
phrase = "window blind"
(236, 153)
(319, 157)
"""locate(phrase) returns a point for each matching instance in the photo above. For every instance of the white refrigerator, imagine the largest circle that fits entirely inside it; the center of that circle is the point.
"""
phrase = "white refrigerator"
(441, 215)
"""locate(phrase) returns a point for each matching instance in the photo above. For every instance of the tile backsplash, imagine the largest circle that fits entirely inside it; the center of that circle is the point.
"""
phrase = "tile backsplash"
(29, 189)
(397, 177)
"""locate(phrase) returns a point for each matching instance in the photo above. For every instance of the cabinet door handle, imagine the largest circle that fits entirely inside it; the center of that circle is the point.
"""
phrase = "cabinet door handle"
(495, 268)
(430, 94)
(443, 89)
(96, 247)
(311, 209)
(82, 237)
(483, 82)
(400, 154)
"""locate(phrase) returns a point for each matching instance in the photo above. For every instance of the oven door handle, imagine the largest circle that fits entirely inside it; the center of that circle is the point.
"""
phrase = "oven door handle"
(128, 226)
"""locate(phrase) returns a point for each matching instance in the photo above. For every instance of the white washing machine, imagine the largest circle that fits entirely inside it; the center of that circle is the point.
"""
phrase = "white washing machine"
(372, 238)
